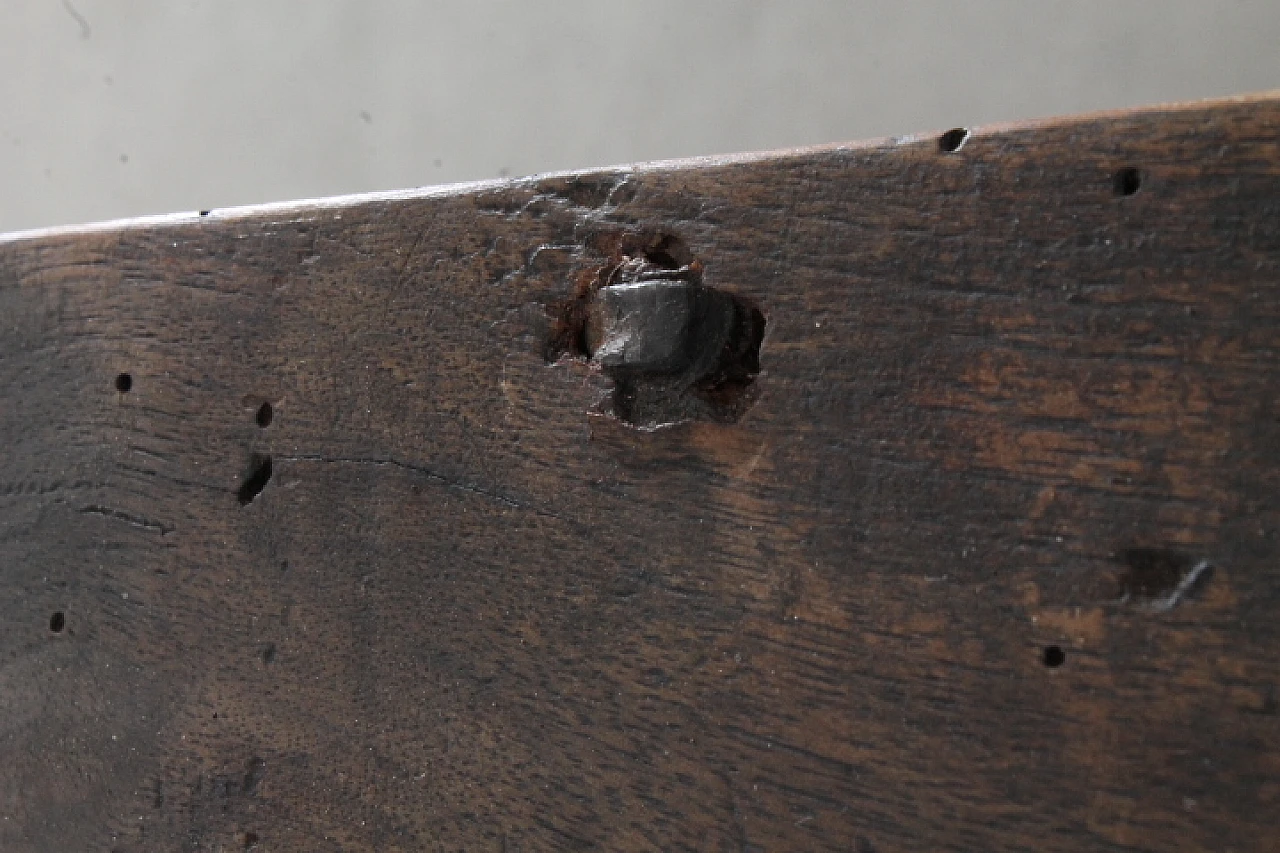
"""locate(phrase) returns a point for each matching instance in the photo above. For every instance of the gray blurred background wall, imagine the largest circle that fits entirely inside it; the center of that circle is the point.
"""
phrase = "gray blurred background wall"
(111, 108)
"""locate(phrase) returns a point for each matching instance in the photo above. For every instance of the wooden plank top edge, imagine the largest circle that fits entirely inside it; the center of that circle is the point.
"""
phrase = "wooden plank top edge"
(303, 206)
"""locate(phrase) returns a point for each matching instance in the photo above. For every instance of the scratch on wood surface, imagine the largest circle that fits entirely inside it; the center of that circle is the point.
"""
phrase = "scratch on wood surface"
(127, 518)
(429, 474)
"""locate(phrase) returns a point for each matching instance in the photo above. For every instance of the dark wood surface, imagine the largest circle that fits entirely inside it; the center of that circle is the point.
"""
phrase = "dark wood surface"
(984, 558)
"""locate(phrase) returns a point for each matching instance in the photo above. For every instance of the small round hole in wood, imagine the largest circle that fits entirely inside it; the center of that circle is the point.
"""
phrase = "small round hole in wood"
(953, 140)
(1054, 657)
(57, 622)
(124, 383)
(1127, 181)
(264, 415)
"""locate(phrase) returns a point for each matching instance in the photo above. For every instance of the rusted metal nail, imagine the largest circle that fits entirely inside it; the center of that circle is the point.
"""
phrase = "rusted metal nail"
(658, 326)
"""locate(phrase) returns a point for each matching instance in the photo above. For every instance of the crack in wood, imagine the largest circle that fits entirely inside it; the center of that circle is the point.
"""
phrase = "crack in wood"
(132, 520)
(429, 474)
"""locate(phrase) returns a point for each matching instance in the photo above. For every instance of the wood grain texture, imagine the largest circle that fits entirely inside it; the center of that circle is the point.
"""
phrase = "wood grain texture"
(932, 590)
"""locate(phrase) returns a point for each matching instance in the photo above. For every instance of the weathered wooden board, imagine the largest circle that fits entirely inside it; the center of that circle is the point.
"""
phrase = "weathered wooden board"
(983, 558)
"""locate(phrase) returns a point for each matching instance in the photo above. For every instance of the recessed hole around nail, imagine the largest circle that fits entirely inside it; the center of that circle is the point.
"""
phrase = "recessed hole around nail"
(669, 251)
(264, 415)
(1054, 657)
(57, 622)
(124, 382)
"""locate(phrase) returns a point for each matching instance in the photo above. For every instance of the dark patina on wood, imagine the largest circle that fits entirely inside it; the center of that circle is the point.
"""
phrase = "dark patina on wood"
(358, 525)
